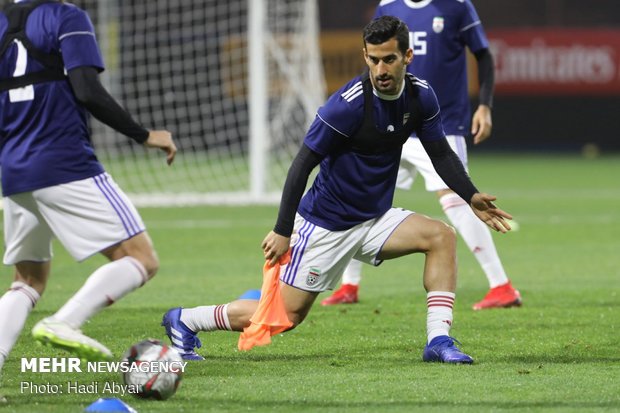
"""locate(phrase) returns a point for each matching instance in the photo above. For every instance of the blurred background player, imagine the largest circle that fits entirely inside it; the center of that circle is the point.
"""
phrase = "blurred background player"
(53, 185)
(356, 138)
(440, 31)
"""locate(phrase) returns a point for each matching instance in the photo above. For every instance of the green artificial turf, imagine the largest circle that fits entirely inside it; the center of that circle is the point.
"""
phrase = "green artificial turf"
(557, 353)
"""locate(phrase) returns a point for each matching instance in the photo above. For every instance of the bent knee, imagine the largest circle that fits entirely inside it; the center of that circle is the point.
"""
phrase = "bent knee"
(296, 319)
(151, 264)
(444, 235)
(139, 247)
(148, 260)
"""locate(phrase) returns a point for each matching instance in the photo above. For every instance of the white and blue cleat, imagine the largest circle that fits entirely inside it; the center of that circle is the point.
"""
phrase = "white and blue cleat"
(442, 349)
(183, 340)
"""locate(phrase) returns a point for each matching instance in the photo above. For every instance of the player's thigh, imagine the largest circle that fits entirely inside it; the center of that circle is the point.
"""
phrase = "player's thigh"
(319, 256)
(379, 233)
(417, 233)
(417, 156)
(27, 237)
(90, 215)
(297, 302)
(139, 246)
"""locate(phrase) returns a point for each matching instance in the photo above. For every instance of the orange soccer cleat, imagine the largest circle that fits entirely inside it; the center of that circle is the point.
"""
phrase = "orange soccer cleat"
(502, 296)
(346, 294)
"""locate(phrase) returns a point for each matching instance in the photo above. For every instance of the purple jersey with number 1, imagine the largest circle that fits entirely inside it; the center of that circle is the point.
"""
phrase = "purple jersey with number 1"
(44, 139)
(439, 30)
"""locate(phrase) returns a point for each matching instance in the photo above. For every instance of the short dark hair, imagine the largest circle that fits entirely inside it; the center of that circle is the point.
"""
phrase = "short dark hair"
(384, 28)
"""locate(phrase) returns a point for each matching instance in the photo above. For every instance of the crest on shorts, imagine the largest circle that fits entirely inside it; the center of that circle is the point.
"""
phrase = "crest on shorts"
(313, 276)
(437, 24)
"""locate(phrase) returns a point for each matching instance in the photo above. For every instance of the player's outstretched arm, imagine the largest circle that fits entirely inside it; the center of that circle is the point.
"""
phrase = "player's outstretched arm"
(162, 139)
(484, 208)
(451, 170)
(93, 96)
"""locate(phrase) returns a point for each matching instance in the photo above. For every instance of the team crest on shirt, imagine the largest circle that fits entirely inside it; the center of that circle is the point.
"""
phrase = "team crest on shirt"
(438, 24)
(405, 118)
(313, 276)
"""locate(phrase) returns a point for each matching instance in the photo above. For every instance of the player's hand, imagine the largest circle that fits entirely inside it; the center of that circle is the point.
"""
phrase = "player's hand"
(162, 139)
(484, 208)
(481, 124)
(274, 246)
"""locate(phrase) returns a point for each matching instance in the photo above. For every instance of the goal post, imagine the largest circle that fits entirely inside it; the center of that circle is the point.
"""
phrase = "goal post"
(258, 98)
(237, 82)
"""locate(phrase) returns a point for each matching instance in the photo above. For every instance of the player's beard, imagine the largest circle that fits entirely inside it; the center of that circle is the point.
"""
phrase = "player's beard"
(389, 88)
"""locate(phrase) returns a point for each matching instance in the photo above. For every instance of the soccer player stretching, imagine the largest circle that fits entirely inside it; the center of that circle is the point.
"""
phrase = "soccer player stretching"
(440, 32)
(53, 185)
(357, 138)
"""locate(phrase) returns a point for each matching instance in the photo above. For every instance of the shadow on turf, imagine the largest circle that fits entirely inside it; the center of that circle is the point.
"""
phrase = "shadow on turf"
(305, 405)
(335, 361)
(564, 359)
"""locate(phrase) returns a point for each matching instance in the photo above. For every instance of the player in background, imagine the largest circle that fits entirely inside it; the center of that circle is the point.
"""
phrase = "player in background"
(440, 32)
(347, 213)
(53, 185)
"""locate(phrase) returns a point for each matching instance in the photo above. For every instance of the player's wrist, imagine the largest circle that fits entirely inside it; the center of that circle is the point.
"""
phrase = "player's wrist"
(283, 230)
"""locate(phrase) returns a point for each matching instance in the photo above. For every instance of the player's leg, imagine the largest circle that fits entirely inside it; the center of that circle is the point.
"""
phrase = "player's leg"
(348, 293)
(474, 232)
(16, 304)
(132, 263)
(183, 324)
(417, 233)
(28, 247)
(18, 301)
(318, 259)
(235, 316)
(109, 224)
(479, 240)
(297, 304)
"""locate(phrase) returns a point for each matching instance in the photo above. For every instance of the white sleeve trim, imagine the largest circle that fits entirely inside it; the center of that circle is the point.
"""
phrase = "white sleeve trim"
(75, 34)
(476, 23)
(323, 120)
(433, 115)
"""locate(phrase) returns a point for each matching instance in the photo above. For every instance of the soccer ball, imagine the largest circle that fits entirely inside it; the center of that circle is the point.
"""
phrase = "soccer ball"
(152, 369)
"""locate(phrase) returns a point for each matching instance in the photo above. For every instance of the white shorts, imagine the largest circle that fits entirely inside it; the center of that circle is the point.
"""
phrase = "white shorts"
(86, 216)
(319, 256)
(414, 159)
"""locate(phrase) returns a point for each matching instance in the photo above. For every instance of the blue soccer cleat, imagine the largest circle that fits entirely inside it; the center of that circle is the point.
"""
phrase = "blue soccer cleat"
(182, 338)
(443, 350)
